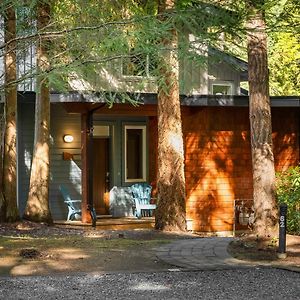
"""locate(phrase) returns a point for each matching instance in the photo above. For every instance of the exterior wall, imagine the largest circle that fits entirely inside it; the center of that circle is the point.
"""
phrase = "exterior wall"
(108, 77)
(193, 80)
(61, 172)
(223, 72)
(25, 146)
(217, 151)
(66, 172)
(286, 133)
(218, 160)
(218, 165)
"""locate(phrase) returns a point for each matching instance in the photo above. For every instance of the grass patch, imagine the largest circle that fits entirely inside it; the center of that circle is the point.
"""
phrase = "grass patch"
(25, 255)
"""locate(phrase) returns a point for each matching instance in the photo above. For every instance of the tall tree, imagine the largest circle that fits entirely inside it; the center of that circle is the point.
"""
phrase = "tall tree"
(266, 214)
(10, 131)
(37, 208)
(171, 209)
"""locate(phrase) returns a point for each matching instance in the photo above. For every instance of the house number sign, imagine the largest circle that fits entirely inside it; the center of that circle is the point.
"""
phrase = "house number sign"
(282, 221)
(282, 228)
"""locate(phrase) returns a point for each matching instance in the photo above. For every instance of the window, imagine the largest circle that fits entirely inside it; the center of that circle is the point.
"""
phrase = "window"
(222, 88)
(135, 153)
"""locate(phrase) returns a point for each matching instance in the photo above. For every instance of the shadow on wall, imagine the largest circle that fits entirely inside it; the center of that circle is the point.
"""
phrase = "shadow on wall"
(67, 173)
(285, 123)
(218, 166)
(218, 161)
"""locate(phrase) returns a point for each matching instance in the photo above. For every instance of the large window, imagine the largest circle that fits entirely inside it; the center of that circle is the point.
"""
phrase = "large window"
(135, 153)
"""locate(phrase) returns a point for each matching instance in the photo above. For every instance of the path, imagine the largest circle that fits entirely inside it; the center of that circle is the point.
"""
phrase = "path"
(199, 254)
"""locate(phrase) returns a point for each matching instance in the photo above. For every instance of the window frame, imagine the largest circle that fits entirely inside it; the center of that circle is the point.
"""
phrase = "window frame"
(222, 83)
(144, 153)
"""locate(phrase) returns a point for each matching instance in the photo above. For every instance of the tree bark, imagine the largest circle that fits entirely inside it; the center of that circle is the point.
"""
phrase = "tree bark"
(37, 208)
(266, 213)
(9, 177)
(171, 210)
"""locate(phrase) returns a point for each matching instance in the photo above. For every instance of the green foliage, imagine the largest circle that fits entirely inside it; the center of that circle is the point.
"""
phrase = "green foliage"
(284, 58)
(288, 191)
(284, 47)
(94, 37)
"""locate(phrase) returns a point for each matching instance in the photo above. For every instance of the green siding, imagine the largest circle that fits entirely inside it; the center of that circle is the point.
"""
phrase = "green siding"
(61, 172)
(25, 146)
(69, 172)
(64, 172)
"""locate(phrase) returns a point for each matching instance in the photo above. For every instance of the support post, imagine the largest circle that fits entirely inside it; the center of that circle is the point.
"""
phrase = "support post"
(85, 215)
(91, 208)
(87, 205)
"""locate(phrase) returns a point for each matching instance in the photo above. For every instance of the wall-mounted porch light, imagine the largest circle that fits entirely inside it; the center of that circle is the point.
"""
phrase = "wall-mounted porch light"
(68, 138)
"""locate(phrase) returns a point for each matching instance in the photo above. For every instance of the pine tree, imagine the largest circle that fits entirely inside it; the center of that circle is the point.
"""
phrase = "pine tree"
(170, 213)
(37, 208)
(10, 130)
(266, 214)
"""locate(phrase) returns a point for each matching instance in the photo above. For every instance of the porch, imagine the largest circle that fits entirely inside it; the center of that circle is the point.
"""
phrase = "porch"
(109, 223)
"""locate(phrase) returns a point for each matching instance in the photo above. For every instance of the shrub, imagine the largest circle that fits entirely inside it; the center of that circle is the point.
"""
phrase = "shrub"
(288, 191)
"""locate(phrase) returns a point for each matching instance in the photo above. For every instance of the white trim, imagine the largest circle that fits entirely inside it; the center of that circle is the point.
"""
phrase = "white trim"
(222, 83)
(143, 128)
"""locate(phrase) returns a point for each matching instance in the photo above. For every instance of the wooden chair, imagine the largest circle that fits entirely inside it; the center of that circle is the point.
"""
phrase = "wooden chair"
(74, 206)
(141, 193)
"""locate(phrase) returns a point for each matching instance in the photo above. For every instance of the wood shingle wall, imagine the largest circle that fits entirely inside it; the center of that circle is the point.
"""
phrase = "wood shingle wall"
(218, 160)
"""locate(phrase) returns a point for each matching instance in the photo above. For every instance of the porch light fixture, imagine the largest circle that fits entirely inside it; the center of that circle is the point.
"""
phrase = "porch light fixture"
(68, 138)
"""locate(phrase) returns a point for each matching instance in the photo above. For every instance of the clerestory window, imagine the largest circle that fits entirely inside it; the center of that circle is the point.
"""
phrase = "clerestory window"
(222, 88)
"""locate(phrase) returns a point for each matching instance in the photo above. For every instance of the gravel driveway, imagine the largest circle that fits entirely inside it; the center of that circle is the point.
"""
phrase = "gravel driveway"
(248, 283)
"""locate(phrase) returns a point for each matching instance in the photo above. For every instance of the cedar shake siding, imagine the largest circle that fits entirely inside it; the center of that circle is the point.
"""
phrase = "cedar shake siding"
(218, 160)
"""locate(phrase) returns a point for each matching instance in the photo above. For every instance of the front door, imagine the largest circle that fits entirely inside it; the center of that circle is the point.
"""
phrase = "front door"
(101, 175)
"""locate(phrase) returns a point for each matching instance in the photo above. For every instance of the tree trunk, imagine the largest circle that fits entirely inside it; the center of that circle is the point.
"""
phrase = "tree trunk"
(266, 214)
(170, 213)
(10, 128)
(37, 208)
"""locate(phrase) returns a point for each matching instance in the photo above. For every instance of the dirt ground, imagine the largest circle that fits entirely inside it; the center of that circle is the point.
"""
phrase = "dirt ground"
(246, 248)
(28, 248)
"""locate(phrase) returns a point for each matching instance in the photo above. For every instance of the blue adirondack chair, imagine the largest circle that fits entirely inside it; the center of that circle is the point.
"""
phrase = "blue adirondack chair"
(74, 206)
(141, 193)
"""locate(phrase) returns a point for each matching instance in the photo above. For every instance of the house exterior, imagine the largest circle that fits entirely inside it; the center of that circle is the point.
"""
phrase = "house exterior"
(216, 141)
(123, 147)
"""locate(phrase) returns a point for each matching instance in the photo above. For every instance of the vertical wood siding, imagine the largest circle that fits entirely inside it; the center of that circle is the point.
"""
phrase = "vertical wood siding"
(61, 172)
(25, 148)
(66, 172)
(224, 72)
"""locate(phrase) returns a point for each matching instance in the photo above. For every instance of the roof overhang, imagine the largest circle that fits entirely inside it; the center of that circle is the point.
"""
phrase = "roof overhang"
(147, 98)
(192, 100)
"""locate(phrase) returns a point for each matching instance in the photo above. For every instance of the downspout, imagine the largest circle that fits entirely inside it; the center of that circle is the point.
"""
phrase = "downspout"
(90, 164)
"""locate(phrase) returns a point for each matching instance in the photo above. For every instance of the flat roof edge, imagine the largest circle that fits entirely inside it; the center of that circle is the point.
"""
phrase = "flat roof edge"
(147, 98)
